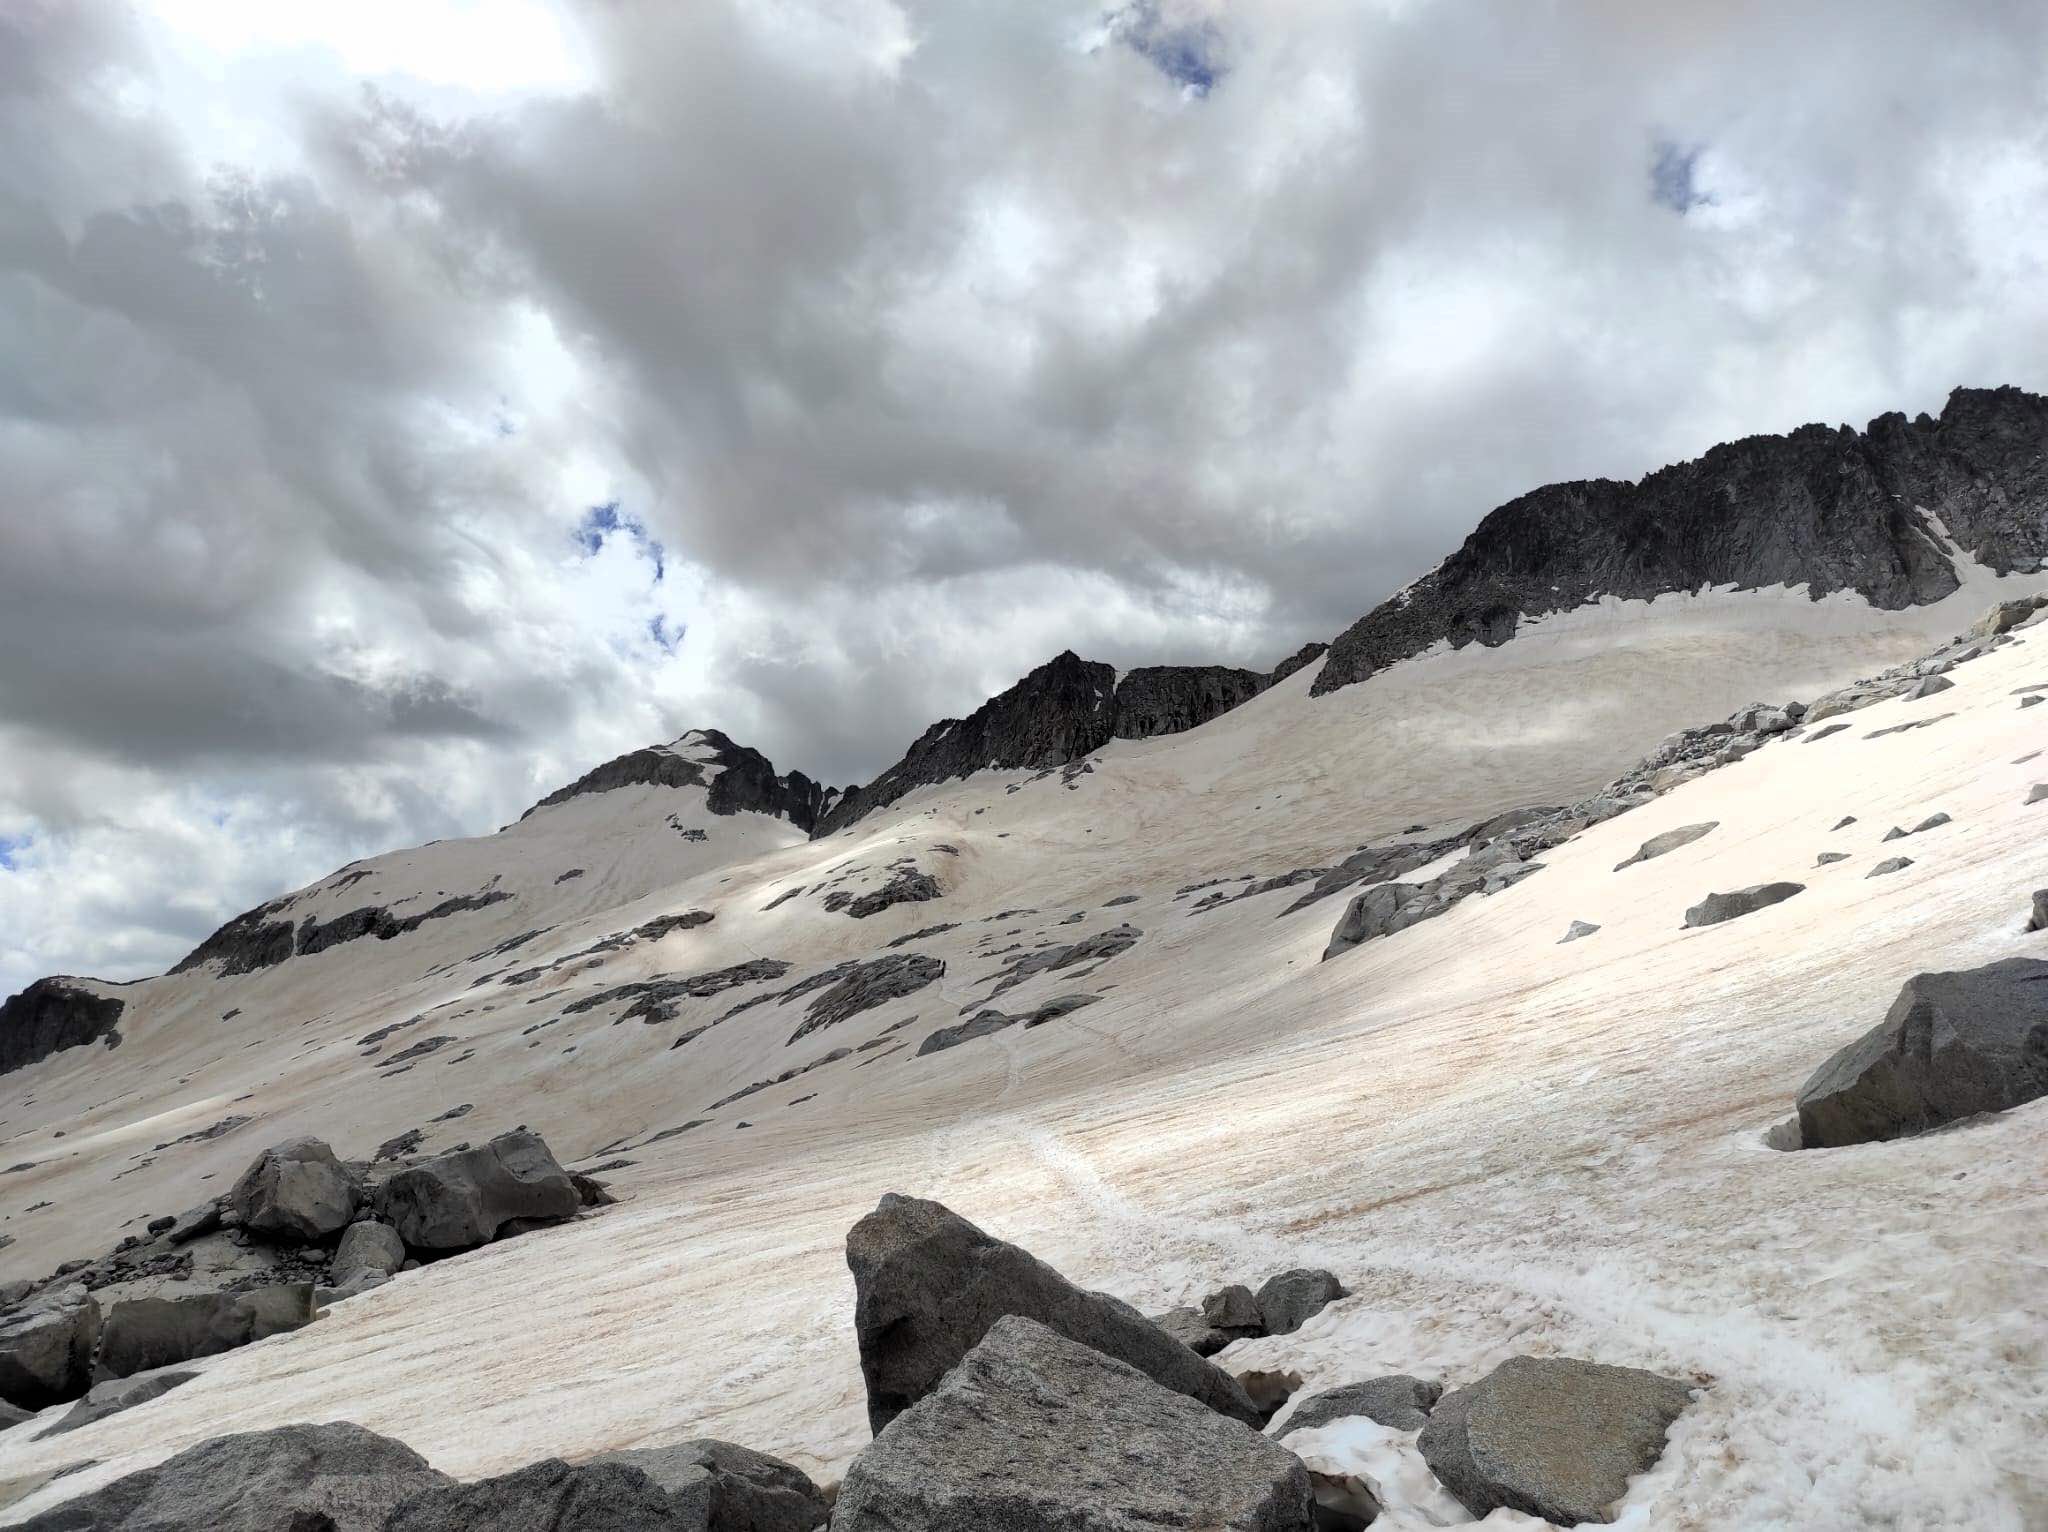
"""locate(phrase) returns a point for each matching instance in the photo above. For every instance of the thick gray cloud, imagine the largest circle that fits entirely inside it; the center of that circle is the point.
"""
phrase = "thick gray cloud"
(923, 340)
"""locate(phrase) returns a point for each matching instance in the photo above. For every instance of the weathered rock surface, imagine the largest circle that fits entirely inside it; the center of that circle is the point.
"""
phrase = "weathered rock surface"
(52, 1015)
(1889, 865)
(714, 1486)
(1398, 1401)
(368, 1248)
(115, 1395)
(907, 886)
(1669, 841)
(867, 985)
(459, 1200)
(929, 1285)
(1716, 908)
(2037, 920)
(46, 1349)
(297, 1190)
(1187, 1326)
(1234, 1309)
(141, 1334)
(298, 1478)
(1034, 1432)
(1952, 1045)
(1553, 1437)
(1289, 1300)
(740, 779)
(548, 1496)
(1578, 930)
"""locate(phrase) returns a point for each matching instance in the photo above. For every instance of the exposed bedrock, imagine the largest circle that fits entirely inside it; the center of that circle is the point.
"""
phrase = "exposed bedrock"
(52, 1015)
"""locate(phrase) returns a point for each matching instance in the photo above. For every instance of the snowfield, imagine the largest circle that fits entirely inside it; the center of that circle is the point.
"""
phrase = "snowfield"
(1503, 1145)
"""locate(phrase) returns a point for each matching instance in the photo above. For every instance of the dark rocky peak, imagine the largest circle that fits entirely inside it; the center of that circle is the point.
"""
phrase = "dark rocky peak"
(740, 780)
(54, 1014)
(1063, 711)
(1832, 509)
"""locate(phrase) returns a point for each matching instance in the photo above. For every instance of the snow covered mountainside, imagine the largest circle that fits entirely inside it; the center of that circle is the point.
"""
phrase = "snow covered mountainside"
(1081, 998)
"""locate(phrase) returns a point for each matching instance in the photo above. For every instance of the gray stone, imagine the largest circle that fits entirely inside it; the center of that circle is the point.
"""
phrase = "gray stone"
(46, 1349)
(297, 1190)
(1553, 1437)
(116, 1395)
(714, 1486)
(459, 1200)
(2030, 701)
(1187, 1326)
(1932, 821)
(548, 1496)
(1670, 840)
(299, 1478)
(1576, 931)
(2037, 792)
(1715, 908)
(1926, 687)
(1952, 1045)
(1034, 1432)
(145, 1333)
(1234, 1308)
(1889, 865)
(2038, 920)
(928, 1286)
(2005, 616)
(1291, 1299)
(367, 1248)
(1398, 1401)
(1829, 858)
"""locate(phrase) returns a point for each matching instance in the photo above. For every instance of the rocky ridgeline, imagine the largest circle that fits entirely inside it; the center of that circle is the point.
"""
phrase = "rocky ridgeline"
(300, 1229)
(1828, 509)
(1002, 1397)
(740, 779)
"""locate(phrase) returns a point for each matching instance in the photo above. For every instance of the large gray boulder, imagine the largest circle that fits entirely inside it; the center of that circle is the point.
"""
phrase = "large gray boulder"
(368, 1248)
(116, 1395)
(1952, 1045)
(548, 1496)
(46, 1348)
(929, 1285)
(1553, 1437)
(460, 1200)
(299, 1478)
(1398, 1401)
(714, 1486)
(1033, 1432)
(1670, 840)
(1187, 1326)
(297, 1190)
(1715, 908)
(145, 1333)
(1291, 1299)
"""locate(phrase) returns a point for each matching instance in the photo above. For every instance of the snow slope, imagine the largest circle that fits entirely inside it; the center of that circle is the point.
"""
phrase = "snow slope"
(1502, 1144)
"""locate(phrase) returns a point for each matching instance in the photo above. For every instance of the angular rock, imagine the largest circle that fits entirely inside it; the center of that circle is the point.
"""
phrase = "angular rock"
(1927, 686)
(1291, 1299)
(929, 1285)
(1829, 858)
(297, 1190)
(1951, 1046)
(367, 1248)
(116, 1395)
(141, 1334)
(1398, 1401)
(1670, 840)
(1234, 1308)
(46, 1349)
(1554, 1437)
(1888, 865)
(2037, 792)
(52, 1015)
(867, 985)
(459, 1200)
(1187, 1326)
(548, 1496)
(1034, 1432)
(1577, 931)
(299, 1478)
(714, 1486)
(1715, 908)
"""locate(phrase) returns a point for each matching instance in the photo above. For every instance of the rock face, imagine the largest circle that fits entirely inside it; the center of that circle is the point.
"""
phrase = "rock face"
(1670, 840)
(1552, 1437)
(300, 1478)
(714, 1486)
(460, 1200)
(1291, 1299)
(1716, 908)
(116, 1395)
(297, 1190)
(548, 1496)
(46, 1349)
(1952, 1045)
(740, 780)
(368, 1248)
(52, 1015)
(1831, 509)
(1398, 1401)
(1066, 709)
(867, 985)
(146, 1333)
(929, 1285)
(1035, 1431)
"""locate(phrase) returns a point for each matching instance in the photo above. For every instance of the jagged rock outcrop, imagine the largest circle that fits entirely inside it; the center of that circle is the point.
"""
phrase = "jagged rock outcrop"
(52, 1015)
(254, 939)
(740, 780)
(1716, 908)
(1828, 509)
(928, 1285)
(1952, 1045)
(1064, 710)
(1034, 1430)
(459, 1200)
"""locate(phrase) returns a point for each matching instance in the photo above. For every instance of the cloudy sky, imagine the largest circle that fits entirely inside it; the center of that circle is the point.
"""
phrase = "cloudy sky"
(405, 404)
